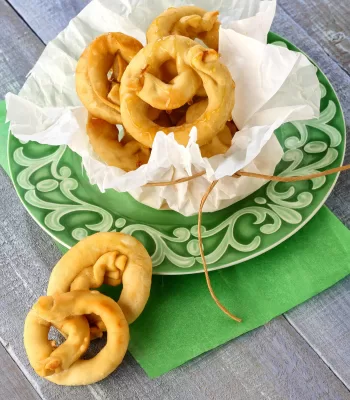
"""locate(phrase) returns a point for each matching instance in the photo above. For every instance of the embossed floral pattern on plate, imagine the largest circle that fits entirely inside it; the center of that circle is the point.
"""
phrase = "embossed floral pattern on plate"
(54, 188)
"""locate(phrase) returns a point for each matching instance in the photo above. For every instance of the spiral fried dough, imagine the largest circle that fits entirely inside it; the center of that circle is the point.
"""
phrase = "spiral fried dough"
(104, 140)
(61, 307)
(100, 94)
(190, 21)
(107, 257)
(140, 77)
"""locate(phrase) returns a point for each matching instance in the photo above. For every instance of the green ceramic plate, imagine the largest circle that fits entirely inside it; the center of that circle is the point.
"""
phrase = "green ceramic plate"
(52, 186)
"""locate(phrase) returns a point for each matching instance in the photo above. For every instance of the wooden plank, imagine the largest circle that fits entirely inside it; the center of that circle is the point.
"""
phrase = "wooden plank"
(23, 280)
(325, 324)
(13, 384)
(283, 24)
(324, 320)
(48, 18)
(20, 49)
(327, 22)
(16, 60)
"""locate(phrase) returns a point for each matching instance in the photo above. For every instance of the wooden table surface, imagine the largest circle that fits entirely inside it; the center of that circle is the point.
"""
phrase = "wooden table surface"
(304, 354)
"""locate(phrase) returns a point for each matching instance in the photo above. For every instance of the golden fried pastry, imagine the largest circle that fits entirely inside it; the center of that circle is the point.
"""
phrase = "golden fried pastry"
(127, 154)
(196, 110)
(222, 141)
(168, 71)
(201, 92)
(153, 113)
(44, 357)
(88, 97)
(140, 87)
(174, 94)
(98, 92)
(111, 258)
(113, 94)
(219, 144)
(57, 309)
(190, 21)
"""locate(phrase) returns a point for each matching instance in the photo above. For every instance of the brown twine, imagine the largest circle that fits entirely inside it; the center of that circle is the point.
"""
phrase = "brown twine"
(205, 267)
(174, 182)
(209, 190)
(258, 176)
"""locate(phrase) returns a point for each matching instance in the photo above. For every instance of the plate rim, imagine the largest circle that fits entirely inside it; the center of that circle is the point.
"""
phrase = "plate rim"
(231, 264)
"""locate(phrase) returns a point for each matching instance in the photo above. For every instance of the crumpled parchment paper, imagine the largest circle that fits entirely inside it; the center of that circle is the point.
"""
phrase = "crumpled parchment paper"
(273, 85)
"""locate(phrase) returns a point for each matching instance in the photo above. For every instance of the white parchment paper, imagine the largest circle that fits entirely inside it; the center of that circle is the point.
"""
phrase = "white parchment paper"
(273, 86)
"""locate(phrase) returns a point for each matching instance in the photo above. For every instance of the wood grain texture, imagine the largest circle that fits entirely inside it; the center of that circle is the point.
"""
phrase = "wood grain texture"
(324, 320)
(48, 18)
(325, 325)
(13, 57)
(20, 49)
(327, 22)
(273, 362)
(339, 200)
(13, 384)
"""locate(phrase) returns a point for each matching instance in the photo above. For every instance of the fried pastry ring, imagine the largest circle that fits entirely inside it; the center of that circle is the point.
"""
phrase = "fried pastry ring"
(60, 308)
(103, 137)
(109, 257)
(190, 21)
(216, 80)
(221, 142)
(168, 71)
(111, 51)
(43, 356)
(195, 110)
(172, 94)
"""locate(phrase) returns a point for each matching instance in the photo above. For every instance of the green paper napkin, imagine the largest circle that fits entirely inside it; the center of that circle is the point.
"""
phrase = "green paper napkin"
(181, 320)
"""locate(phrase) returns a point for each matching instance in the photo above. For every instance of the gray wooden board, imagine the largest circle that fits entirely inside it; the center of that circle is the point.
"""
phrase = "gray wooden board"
(271, 362)
(327, 22)
(48, 18)
(13, 57)
(324, 321)
(339, 199)
(20, 49)
(13, 384)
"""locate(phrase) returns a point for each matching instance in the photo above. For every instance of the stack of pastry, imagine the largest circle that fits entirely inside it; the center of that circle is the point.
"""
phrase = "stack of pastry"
(82, 314)
(170, 85)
